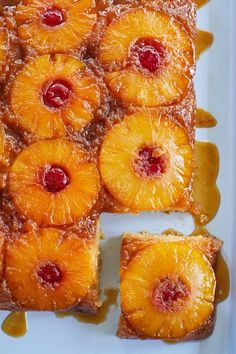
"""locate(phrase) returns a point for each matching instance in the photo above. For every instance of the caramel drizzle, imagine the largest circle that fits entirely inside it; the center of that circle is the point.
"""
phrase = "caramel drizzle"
(201, 3)
(15, 324)
(207, 196)
(222, 279)
(203, 41)
(205, 191)
(101, 316)
(199, 228)
(204, 119)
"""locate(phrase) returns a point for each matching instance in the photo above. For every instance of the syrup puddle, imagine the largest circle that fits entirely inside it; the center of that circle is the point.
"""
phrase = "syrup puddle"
(204, 119)
(15, 324)
(203, 41)
(201, 3)
(222, 279)
(205, 191)
(101, 316)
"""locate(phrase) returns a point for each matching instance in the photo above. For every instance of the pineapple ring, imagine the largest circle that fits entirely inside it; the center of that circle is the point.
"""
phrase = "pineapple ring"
(76, 24)
(119, 151)
(52, 182)
(155, 263)
(26, 259)
(168, 84)
(35, 115)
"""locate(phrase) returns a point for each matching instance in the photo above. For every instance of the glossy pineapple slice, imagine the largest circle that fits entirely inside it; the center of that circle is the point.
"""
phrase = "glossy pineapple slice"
(52, 26)
(53, 92)
(168, 290)
(149, 56)
(146, 161)
(53, 183)
(47, 269)
(3, 48)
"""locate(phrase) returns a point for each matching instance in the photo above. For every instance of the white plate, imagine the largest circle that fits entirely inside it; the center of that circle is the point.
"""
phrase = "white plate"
(216, 91)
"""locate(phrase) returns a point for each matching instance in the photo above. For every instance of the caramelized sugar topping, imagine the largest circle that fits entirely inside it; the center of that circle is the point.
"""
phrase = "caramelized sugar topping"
(54, 178)
(151, 162)
(50, 274)
(149, 54)
(168, 294)
(56, 93)
(53, 17)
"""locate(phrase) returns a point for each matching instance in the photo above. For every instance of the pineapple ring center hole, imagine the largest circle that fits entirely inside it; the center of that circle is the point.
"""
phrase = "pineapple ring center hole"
(150, 162)
(54, 178)
(169, 294)
(53, 17)
(148, 53)
(56, 93)
(50, 274)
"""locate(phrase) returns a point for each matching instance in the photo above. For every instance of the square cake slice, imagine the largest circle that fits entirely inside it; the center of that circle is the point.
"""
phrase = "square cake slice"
(167, 286)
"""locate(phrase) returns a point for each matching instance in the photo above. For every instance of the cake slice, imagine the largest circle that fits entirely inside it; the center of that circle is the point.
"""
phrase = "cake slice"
(167, 286)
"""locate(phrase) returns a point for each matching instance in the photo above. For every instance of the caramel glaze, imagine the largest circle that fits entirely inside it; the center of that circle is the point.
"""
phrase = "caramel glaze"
(222, 279)
(101, 316)
(15, 324)
(203, 41)
(204, 119)
(201, 3)
(199, 228)
(206, 194)
(205, 190)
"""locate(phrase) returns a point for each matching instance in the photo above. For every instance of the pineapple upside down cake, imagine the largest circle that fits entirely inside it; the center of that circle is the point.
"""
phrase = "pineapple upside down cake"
(98, 114)
(167, 286)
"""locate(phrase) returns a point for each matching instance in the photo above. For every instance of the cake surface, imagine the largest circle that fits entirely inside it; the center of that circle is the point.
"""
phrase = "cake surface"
(167, 286)
(92, 121)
